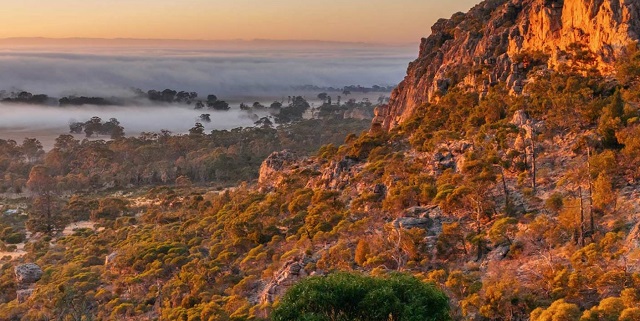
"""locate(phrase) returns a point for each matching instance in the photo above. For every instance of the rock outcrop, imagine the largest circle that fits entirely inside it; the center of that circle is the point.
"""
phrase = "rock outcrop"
(338, 174)
(449, 155)
(109, 260)
(291, 273)
(502, 40)
(26, 277)
(428, 218)
(271, 170)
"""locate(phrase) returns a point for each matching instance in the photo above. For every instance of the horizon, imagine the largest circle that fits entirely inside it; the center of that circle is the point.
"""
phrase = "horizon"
(229, 40)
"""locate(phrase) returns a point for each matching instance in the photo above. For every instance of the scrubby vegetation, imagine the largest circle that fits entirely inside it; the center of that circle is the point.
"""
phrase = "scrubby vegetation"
(515, 207)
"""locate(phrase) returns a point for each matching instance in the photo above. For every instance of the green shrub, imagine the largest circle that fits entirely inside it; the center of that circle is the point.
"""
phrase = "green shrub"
(353, 297)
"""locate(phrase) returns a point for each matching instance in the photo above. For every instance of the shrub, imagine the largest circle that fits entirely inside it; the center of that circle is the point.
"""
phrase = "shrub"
(346, 296)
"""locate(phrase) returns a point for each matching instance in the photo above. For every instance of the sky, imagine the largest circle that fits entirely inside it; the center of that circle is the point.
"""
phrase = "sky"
(379, 21)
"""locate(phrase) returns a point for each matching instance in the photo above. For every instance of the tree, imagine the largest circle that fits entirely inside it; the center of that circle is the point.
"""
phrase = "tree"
(219, 105)
(555, 202)
(45, 213)
(612, 121)
(257, 105)
(112, 128)
(40, 182)
(362, 250)
(264, 122)
(630, 314)
(276, 105)
(109, 209)
(604, 196)
(323, 96)
(196, 130)
(205, 118)
(354, 297)
(609, 309)
(94, 125)
(186, 97)
(558, 311)
(117, 132)
(169, 95)
(66, 143)
(452, 240)
(76, 127)
(32, 149)
(503, 231)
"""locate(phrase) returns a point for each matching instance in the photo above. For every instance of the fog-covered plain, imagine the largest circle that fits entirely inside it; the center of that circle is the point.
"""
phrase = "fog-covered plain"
(226, 69)
(235, 71)
(134, 119)
(47, 123)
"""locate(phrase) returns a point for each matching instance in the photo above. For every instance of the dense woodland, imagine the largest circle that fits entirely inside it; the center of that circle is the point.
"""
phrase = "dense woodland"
(516, 207)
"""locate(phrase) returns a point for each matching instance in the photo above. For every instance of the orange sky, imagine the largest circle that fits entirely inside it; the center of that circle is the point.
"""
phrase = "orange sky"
(340, 20)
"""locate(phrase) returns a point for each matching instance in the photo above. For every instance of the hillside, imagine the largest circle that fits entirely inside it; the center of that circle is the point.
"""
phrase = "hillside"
(504, 171)
(500, 41)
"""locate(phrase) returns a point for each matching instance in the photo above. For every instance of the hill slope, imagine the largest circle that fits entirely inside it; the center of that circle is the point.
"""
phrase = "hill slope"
(490, 43)
(518, 206)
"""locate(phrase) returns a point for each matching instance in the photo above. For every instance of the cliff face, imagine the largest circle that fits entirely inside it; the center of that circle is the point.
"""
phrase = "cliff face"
(490, 44)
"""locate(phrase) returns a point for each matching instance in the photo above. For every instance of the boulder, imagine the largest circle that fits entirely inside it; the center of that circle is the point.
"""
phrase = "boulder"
(498, 253)
(27, 273)
(412, 222)
(422, 211)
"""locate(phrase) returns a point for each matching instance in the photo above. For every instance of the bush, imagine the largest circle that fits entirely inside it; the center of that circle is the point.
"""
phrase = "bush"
(109, 209)
(559, 310)
(346, 296)
(15, 238)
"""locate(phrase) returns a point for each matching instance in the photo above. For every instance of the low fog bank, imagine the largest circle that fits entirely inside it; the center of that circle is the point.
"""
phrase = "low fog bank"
(47, 123)
(224, 70)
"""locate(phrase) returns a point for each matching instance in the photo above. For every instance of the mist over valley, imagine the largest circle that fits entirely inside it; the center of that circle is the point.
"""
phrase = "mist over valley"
(228, 69)
(235, 71)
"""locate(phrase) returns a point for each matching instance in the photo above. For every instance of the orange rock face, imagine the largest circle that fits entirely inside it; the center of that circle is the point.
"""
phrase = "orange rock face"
(485, 46)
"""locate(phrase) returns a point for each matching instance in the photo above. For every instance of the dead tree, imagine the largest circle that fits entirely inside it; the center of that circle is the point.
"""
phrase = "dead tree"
(581, 239)
(592, 228)
(533, 161)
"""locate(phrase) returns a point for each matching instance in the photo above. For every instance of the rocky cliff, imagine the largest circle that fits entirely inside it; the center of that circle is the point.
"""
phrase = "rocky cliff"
(500, 41)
